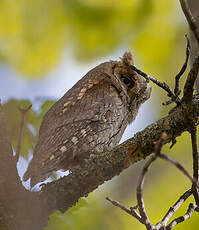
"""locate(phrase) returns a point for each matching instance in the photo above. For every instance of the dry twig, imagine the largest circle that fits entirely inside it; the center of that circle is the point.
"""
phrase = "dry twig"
(162, 85)
(142, 215)
(184, 67)
(173, 95)
(177, 91)
(190, 19)
(175, 207)
(195, 189)
(131, 210)
(179, 166)
(180, 219)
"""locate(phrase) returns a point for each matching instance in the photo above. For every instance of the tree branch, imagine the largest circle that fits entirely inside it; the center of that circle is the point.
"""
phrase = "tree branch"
(142, 215)
(190, 19)
(175, 207)
(174, 97)
(184, 67)
(65, 192)
(181, 219)
(195, 153)
(179, 166)
(131, 211)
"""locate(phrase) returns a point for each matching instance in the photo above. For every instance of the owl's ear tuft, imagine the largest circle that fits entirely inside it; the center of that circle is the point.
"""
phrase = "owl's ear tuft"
(127, 58)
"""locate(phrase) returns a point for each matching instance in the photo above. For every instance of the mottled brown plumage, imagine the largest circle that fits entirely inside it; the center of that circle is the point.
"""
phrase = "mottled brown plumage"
(89, 119)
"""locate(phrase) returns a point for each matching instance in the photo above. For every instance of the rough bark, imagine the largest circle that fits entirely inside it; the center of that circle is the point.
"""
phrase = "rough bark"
(194, 6)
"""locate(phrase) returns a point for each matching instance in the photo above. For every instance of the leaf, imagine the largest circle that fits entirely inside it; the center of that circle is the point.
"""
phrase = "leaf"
(37, 31)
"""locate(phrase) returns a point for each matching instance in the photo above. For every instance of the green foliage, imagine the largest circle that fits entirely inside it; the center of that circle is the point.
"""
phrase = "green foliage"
(157, 38)
(31, 127)
(98, 28)
(37, 32)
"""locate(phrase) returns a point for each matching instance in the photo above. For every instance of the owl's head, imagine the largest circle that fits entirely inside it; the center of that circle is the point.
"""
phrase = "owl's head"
(133, 86)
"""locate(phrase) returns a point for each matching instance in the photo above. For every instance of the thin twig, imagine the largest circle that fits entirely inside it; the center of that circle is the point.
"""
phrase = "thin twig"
(173, 95)
(180, 219)
(175, 207)
(130, 211)
(189, 84)
(140, 185)
(190, 19)
(179, 166)
(177, 91)
(195, 154)
(140, 199)
(23, 113)
(142, 217)
(162, 85)
(178, 76)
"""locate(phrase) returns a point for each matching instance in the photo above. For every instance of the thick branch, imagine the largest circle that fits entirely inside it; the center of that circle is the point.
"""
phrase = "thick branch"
(65, 192)
(9, 179)
(190, 19)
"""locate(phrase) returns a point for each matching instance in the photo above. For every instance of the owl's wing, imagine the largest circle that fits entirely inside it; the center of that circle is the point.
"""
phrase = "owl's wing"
(99, 108)
(69, 130)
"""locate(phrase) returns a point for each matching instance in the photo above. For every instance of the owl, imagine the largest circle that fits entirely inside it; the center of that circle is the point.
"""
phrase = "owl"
(89, 119)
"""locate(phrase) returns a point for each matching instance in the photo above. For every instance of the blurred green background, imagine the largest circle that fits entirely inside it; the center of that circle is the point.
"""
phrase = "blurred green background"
(46, 46)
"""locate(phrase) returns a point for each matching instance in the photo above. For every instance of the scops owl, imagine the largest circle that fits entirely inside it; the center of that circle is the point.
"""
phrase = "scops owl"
(89, 119)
